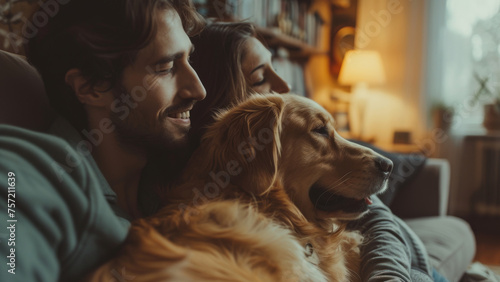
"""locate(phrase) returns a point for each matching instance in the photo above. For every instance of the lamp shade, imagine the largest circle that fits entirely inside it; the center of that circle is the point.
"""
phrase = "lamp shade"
(361, 66)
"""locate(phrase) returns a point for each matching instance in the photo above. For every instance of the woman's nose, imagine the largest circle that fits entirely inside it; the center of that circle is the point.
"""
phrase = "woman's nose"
(279, 85)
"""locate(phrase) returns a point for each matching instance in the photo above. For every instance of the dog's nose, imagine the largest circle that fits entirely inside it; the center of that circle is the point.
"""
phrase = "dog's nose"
(384, 165)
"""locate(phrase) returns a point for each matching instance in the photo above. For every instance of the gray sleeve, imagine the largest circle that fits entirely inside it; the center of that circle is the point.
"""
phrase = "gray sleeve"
(63, 225)
(386, 252)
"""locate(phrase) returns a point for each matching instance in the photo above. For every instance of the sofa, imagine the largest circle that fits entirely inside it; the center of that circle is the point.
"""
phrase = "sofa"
(422, 203)
(421, 200)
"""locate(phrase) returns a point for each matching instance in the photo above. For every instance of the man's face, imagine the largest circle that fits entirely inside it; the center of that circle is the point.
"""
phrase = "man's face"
(159, 88)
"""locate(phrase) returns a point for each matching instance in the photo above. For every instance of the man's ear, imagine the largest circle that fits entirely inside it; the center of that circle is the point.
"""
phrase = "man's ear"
(84, 93)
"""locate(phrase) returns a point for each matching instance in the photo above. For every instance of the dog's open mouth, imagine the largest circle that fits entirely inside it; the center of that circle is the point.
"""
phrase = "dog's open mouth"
(324, 200)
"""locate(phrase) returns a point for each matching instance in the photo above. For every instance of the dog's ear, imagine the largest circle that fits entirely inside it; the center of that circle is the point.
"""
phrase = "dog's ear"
(245, 143)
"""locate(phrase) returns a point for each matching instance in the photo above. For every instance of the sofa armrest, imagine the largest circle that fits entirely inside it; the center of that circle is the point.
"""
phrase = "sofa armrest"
(427, 194)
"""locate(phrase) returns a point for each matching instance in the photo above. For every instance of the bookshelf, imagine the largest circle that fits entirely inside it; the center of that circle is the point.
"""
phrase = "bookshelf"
(289, 27)
(297, 48)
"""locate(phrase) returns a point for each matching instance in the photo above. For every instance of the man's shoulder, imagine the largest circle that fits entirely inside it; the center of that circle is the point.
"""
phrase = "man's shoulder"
(61, 203)
(41, 153)
(62, 161)
(50, 165)
(11, 133)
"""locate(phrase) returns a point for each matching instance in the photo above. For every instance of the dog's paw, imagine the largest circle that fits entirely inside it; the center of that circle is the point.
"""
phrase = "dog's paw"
(352, 241)
(351, 246)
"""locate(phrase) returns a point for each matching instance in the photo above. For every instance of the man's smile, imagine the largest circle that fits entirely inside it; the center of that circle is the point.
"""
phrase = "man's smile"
(180, 115)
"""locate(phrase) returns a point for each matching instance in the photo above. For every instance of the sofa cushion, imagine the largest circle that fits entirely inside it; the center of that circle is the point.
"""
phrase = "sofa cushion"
(427, 194)
(449, 241)
(406, 167)
(23, 94)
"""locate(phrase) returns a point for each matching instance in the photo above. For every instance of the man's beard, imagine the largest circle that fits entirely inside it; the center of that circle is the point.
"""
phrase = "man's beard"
(138, 133)
(131, 135)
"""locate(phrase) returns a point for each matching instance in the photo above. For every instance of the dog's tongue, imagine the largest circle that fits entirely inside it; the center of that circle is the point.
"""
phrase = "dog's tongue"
(368, 201)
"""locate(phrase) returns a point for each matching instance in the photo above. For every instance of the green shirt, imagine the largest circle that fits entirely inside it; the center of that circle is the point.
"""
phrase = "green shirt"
(62, 221)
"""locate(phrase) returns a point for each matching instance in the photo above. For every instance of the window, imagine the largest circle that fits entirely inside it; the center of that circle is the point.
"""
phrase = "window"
(464, 48)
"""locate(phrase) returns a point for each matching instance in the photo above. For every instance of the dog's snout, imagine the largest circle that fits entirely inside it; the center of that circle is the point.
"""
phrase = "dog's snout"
(384, 165)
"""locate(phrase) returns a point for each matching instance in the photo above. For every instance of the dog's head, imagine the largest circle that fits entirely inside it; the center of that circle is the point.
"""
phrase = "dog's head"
(292, 139)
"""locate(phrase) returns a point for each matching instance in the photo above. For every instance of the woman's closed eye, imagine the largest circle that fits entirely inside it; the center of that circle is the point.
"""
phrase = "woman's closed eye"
(260, 82)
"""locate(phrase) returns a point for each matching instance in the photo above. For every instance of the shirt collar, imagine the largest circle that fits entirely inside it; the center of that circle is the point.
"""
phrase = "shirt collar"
(148, 200)
(63, 129)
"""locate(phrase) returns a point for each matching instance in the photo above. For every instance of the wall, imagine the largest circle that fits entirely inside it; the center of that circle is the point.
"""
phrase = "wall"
(395, 28)
(318, 68)
(13, 18)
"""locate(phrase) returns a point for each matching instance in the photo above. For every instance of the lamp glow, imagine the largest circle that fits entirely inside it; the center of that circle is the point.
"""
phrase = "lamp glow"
(360, 66)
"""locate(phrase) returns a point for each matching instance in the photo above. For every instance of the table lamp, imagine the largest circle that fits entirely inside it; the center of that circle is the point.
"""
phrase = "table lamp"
(360, 68)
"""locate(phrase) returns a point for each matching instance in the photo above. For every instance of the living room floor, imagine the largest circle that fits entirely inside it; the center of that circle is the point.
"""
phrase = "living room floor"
(487, 248)
(487, 233)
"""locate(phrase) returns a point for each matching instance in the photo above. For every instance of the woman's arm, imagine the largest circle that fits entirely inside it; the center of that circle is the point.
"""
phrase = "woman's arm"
(389, 252)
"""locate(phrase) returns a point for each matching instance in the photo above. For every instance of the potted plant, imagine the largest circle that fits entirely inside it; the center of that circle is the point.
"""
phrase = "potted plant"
(491, 101)
(492, 115)
(442, 116)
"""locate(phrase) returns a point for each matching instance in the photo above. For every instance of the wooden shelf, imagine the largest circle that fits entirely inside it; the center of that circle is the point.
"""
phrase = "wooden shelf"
(341, 3)
(296, 47)
(400, 148)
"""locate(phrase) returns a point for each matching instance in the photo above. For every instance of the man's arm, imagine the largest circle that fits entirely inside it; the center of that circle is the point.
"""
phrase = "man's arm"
(55, 223)
(387, 251)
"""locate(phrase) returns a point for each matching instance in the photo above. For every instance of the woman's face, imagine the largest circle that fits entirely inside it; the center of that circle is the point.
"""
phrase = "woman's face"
(258, 69)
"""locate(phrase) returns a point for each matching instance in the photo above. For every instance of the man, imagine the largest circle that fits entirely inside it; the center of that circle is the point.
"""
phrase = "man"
(117, 73)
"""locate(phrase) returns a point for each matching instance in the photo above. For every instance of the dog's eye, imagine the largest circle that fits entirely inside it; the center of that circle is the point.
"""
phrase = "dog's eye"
(322, 130)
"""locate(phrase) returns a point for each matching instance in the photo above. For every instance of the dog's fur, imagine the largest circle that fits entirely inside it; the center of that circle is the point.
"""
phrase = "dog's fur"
(244, 211)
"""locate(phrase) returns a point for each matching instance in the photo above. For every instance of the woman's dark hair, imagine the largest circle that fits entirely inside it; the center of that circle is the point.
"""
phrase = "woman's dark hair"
(219, 52)
(100, 38)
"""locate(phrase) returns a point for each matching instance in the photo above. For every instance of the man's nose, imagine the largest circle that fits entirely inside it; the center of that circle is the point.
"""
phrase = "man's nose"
(192, 88)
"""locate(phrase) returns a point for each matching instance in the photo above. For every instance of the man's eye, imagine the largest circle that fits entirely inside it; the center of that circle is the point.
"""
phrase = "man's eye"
(321, 130)
(166, 71)
(165, 68)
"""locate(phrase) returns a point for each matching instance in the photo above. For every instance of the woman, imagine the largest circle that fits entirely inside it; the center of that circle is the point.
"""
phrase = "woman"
(232, 63)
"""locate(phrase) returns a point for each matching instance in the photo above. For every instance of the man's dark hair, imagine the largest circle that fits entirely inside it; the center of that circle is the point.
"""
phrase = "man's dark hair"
(100, 38)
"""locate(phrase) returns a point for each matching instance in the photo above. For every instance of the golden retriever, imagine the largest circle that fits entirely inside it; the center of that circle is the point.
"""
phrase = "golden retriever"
(264, 198)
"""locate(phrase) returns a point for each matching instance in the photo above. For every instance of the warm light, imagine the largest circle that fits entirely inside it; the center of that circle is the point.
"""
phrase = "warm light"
(361, 66)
